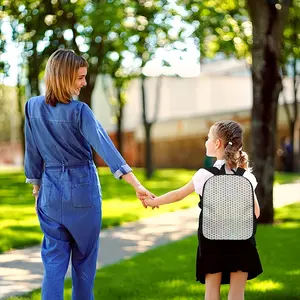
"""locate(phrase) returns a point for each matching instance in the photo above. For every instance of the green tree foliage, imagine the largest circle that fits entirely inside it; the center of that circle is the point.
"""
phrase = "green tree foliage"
(84, 26)
(221, 26)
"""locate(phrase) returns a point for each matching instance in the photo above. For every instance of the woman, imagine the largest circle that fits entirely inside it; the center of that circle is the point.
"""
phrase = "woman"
(59, 133)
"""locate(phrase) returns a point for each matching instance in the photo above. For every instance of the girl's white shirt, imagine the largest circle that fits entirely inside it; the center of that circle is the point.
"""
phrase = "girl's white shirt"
(203, 175)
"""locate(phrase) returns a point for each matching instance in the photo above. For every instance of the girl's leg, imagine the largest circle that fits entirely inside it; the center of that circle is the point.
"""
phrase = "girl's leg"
(212, 286)
(238, 282)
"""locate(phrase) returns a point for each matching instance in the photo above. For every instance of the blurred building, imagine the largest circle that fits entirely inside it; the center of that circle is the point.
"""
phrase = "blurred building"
(10, 135)
(187, 109)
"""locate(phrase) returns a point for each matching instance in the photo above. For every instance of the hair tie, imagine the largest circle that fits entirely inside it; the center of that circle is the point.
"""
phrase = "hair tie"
(230, 143)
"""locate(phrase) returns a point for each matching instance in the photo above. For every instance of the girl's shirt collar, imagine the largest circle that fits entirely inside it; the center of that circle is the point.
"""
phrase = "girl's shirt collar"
(219, 163)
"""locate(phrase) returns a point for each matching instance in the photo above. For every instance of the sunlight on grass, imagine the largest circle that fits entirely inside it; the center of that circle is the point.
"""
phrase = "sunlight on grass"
(293, 273)
(285, 213)
(172, 284)
(265, 286)
(289, 225)
(168, 272)
(281, 178)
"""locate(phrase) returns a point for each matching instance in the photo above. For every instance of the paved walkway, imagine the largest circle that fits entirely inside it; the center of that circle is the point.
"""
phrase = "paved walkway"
(22, 270)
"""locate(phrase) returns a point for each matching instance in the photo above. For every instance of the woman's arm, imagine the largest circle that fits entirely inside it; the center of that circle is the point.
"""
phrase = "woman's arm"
(98, 138)
(33, 162)
(141, 192)
(172, 196)
(132, 180)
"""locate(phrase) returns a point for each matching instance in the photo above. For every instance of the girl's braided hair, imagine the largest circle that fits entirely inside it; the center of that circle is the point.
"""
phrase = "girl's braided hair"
(231, 133)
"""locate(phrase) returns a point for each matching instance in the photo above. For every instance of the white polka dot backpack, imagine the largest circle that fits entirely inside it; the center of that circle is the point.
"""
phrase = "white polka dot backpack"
(227, 206)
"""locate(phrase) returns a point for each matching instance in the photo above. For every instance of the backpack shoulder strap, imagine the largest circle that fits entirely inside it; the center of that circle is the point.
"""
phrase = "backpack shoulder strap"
(213, 170)
(240, 171)
(222, 170)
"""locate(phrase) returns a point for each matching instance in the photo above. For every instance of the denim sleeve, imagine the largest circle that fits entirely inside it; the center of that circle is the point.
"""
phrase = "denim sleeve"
(33, 162)
(97, 137)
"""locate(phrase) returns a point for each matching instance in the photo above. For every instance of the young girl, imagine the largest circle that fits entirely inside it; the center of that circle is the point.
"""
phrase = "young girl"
(221, 261)
(59, 133)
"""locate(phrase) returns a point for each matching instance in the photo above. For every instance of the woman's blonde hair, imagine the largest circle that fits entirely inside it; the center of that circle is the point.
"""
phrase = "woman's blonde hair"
(60, 75)
(231, 133)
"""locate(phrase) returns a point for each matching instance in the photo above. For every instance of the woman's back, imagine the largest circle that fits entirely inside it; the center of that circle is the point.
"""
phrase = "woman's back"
(56, 131)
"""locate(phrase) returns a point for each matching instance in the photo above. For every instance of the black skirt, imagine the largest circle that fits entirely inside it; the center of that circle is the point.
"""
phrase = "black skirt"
(226, 257)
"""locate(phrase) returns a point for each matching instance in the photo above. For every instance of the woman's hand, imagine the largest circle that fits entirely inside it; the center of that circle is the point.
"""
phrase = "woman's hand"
(35, 206)
(35, 193)
(141, 192)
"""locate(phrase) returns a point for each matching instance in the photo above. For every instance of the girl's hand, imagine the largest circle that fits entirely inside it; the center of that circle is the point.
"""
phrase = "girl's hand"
(142, 194)
(151, 202)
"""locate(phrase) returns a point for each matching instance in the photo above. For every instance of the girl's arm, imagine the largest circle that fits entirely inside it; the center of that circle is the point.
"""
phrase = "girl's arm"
(172, 196)
(256, 207)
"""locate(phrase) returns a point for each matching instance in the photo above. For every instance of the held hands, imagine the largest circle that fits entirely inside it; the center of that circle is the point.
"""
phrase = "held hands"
(144, 194)
(150, 202)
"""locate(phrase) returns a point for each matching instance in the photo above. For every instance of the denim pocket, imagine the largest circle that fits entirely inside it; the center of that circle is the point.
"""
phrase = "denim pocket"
(81, 195)
(44, 199)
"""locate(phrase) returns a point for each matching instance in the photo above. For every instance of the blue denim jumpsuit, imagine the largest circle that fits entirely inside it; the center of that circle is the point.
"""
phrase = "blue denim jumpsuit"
(58, 157)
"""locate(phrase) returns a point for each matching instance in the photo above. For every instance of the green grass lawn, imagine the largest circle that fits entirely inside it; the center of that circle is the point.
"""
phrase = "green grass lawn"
(19, 225)
(282, 178)
(168, 272)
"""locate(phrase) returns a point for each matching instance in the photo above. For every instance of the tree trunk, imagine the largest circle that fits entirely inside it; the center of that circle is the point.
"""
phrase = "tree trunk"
(33, 74)
(120, 120)
(292, 154)
(289, 154)
(268, 23)
(21, 114)
(147, 127)
(148, 151)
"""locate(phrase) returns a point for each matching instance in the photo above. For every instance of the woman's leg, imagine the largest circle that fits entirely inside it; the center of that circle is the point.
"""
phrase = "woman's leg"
(84, 271)
(55, 255)
(84, 251)
(212, 286)
(238, 282)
